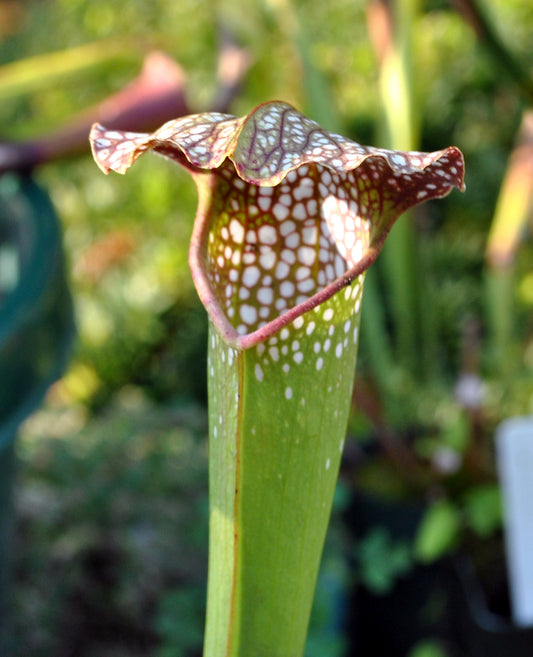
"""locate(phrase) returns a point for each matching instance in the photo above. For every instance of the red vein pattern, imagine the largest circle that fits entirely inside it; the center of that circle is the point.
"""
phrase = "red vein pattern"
(295, 213)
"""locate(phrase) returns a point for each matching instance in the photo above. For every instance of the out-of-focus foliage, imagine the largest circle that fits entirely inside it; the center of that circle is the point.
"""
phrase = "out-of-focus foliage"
(111, 522)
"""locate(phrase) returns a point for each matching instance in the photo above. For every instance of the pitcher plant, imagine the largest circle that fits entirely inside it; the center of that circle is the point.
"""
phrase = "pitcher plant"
(290, 216)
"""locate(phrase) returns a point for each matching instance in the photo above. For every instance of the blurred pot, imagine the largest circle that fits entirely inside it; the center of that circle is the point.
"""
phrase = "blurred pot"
(36, 331)
(414, 606)
(486, 632)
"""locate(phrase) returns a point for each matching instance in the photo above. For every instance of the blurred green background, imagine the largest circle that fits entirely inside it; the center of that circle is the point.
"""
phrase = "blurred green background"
(112, 492)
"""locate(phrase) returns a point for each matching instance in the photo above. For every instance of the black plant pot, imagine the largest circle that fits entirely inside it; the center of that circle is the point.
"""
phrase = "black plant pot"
(482, 631)
(417, 605)
(36, 332)
(445, 601)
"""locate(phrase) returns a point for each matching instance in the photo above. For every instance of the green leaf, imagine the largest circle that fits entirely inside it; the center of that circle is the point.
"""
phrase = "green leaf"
(382, 560)
(438, 532)
(483, 509)
(428, 648)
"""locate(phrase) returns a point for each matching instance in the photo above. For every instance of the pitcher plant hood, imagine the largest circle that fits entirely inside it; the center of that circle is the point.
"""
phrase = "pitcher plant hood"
(288, 213)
